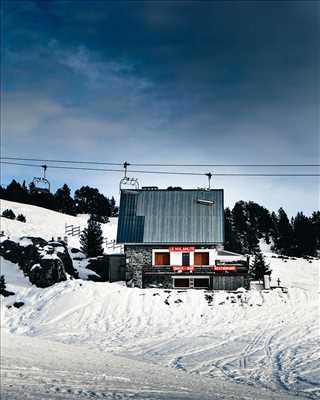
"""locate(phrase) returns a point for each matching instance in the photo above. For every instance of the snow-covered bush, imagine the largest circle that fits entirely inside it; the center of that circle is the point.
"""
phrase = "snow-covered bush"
(21, 218)
(8, 213)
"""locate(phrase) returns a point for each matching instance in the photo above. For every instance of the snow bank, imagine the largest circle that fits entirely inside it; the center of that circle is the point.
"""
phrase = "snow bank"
(263, 338)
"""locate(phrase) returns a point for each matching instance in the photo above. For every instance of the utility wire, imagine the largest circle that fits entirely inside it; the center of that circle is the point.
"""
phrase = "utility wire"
(225, 165)
(157, 164)
(152, 172)
(60, 161)
(103, 169)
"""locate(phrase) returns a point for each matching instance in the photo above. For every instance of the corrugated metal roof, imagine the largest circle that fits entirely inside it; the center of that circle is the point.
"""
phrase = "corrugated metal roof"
(171, 216)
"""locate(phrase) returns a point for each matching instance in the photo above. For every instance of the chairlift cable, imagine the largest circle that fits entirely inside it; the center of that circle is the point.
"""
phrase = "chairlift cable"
(224, 165)
(161, 172)
(157, 164)
(60, 161)
(104, 169)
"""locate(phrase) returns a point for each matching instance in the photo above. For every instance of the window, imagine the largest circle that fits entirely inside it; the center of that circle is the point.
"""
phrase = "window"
(181, 282)
(197, 282)
(201, 258)
(162, 258)
(201, 283)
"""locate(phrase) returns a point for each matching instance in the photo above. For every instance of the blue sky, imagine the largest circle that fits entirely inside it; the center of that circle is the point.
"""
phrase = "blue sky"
(162, 81)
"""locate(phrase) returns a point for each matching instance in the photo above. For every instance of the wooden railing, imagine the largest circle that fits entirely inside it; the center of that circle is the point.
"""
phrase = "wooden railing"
(72, 230)
(112, 244)
(168, 269)
(157, 269)
(197, 269)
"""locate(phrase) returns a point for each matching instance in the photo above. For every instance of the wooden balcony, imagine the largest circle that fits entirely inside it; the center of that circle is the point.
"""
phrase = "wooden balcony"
(157, 269)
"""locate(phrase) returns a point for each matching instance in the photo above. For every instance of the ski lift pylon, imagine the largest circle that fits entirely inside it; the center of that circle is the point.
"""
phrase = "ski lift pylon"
(41, 184)
(209, 175)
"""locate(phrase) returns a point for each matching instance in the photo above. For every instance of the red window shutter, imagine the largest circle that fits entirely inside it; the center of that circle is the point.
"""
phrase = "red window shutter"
(201, 258)
(162, 258)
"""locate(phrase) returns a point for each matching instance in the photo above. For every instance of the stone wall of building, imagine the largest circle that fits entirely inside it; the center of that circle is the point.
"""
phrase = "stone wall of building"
(136, 258)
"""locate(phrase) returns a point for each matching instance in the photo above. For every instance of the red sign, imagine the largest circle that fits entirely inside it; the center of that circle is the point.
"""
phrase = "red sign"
(225, 268)
(183, 268)
(184, 249)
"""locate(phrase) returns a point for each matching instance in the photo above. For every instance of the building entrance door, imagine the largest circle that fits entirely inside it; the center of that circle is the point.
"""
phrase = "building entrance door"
(185, 259)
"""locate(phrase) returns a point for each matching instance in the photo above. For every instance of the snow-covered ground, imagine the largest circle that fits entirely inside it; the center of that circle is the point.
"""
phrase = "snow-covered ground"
(37, 369)
(81, 339)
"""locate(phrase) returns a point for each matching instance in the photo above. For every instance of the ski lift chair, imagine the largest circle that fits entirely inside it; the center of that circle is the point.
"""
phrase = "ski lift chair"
(41, 184)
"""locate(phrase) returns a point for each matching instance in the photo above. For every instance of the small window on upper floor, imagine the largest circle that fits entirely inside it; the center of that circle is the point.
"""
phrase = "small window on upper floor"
(162, 258)
(201, 258)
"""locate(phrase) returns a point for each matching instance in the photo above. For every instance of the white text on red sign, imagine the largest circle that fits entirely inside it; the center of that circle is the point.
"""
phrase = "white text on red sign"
(182, 248)
(225, 267)
(183, 268)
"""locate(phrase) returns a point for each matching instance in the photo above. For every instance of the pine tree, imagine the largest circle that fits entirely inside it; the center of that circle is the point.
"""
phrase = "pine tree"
(63, 200)
(91, 239)
(231, 240)
(15, 191)
(25, 192)
(274, 234)
(305, 240)
(24, 186)
(114, 208)
(3, 193)
(284, 241)
(252, 240)
(91, 201)
(228, 229)
(315, 220)
(259, 267)
(239, 221)
(32, 187)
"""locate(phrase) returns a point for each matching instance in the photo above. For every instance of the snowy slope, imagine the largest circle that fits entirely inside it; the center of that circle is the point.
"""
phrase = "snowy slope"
(46, 223)
(265, 339)
(74, 372)
(80, 339)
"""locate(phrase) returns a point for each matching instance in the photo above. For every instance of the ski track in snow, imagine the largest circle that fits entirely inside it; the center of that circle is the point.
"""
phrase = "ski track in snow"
(69, 372)
(263, 339)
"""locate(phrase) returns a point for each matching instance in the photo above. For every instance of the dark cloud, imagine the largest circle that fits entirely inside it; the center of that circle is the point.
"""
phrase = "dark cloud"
(164, 80)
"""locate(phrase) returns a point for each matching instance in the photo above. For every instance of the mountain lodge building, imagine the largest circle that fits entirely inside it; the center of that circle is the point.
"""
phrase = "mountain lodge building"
(175, 238)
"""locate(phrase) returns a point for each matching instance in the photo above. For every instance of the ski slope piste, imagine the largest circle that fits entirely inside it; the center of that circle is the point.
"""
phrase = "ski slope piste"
(82, 339)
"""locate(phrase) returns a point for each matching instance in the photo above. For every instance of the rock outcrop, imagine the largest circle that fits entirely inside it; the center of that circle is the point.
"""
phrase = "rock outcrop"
(45, 263)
